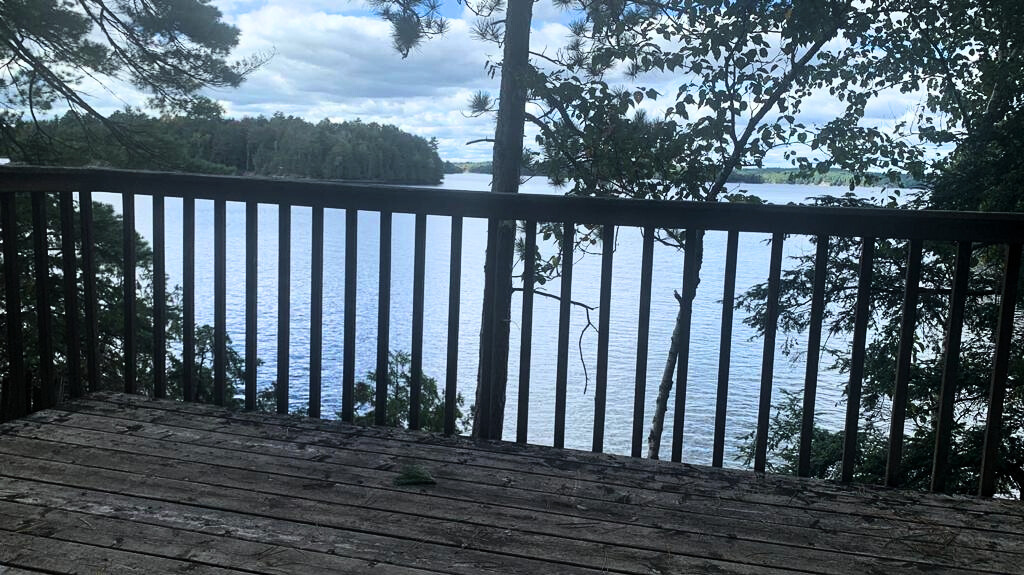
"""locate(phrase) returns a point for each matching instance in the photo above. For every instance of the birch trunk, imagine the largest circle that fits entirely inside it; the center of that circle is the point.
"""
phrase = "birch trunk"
(689, 293)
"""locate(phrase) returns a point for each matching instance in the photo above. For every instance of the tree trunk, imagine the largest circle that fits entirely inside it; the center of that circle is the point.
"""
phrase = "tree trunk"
(492, 375)
(689, 293)
(718, 186)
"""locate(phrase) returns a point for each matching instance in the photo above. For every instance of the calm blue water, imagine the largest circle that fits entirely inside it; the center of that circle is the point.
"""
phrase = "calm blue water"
(746, 352)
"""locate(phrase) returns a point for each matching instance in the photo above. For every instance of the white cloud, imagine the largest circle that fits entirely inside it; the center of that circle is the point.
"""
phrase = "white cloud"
(335, 60)
(341, 65)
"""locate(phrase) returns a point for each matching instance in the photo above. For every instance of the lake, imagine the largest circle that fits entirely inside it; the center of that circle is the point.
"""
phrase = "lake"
(668, 265)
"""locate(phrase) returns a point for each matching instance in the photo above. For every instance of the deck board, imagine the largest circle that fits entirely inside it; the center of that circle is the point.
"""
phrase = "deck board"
(125, 480)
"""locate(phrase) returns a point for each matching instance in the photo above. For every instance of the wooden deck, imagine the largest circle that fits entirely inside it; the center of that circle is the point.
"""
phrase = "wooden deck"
(114, 484)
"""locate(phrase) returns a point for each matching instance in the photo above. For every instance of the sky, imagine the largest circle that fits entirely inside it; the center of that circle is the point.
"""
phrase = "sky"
(334, 60)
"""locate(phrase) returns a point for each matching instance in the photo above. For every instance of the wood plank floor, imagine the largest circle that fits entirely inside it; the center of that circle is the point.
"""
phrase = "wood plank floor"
(117, 484)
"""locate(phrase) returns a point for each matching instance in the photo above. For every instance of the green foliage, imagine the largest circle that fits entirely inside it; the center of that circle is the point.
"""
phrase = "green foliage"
(400, 376)
(526, 169)
(972, 52)
(986, 172)
(977, 350)
(108, 250)
(452, 168)
(203, 371)
(745, 70)
(169, 49)
(412, 21)
(276, 146)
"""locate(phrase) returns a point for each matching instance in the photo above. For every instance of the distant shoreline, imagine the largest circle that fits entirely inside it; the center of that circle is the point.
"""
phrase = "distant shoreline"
(777, 176)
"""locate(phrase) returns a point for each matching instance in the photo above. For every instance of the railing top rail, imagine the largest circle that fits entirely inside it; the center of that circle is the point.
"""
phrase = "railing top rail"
(789, 219)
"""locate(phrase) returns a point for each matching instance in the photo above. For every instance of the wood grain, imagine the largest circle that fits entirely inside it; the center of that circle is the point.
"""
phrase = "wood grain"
(174, 486)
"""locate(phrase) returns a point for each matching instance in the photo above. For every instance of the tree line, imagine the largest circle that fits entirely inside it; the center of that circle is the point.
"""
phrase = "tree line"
(280, 145)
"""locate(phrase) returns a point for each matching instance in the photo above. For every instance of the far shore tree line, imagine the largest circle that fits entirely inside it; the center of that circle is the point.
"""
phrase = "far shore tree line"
(833, 177)
(206, 142)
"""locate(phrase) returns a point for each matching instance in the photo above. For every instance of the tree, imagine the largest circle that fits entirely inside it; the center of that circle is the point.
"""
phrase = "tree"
(169, 49)
(746, 68)
(743, 73)
(412, 22)
(209, 143)
(400, 378)
(970, 54)
(109, 259)
(983, 174)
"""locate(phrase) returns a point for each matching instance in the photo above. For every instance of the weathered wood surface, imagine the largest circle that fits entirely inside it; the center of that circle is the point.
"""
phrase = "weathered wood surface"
(114, 483)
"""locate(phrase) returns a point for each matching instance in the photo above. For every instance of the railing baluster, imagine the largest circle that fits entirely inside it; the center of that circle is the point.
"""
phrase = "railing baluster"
(768, 355)
(454, 297)
(130, 331)
(526, 337)
(642, 340)
(284, 284)
(348, 375)
(188, 343)
(725, 349)
(908, 323)
(1001, 366)
(220, 282)
(69, 263)
(813, 356)
(860, 331)
(219, 301)
(15, 398)
(380, 406)
(251, 288)
(316, 312)
(92, 338)
(564, 318)
(49, 393)
(159, 299)
(418, 288)
(603, 328)
(683, 363)
(951, 366)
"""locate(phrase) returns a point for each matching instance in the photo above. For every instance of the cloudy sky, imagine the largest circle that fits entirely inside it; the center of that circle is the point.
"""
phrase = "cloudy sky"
(334, 59)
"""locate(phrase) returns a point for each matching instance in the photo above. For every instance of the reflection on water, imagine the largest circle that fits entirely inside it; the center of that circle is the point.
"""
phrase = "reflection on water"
(668, 263)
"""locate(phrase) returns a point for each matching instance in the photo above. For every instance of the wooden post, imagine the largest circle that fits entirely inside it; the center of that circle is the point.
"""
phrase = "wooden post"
(69, 264)
(14, 398)
(1001, 361)
(49, 392)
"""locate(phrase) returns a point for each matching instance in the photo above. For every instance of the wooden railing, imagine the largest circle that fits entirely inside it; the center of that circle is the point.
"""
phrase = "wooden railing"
(963, 229)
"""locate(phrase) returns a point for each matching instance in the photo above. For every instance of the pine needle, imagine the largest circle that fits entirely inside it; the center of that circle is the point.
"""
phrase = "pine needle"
(414, 475)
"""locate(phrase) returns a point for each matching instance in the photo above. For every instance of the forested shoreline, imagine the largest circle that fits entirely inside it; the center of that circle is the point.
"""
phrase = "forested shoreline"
(280, 145)
(832, 177)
